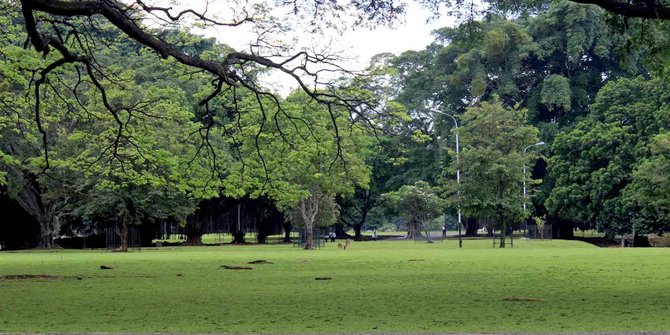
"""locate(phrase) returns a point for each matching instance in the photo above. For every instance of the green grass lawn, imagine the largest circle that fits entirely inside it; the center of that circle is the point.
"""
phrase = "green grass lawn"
(383, 286)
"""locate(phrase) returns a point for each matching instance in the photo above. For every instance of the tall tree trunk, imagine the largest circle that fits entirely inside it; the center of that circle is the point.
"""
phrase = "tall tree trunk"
(471, 227)
(287, 231)
(339, 232)
(641, 241)
(194, 238)
(358, 226)
(309, 235)
(122, 232)
(503, 231)
(308, 209)
(413, 230)
(562, 229)
(357, 232)
(46, 231)
(30, 197)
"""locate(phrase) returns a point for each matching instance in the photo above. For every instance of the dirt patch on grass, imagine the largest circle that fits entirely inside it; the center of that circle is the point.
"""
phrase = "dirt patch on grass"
(29, 276)
(260, 261)
(522, 299)
(231, 267)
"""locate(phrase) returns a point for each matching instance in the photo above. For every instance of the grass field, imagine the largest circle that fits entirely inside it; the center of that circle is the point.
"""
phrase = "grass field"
(383, 286)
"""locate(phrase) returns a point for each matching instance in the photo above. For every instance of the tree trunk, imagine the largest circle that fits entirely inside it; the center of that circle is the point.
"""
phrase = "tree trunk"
(562, 229)
(503, 231)
(30, 197)
(357, 227)
(309, 236)
(45, 241)
(262, 236)
(308, 209)
(471, 227)
(194, 238)
(340, 233)
(427, 233)
(413, 231)
(357, 232)
(238, 237)
(122, 232)
(46, 232)
(287, 232)
(640, 241)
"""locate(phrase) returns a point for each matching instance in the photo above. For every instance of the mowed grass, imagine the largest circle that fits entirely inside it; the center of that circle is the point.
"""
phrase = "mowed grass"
(378, 287)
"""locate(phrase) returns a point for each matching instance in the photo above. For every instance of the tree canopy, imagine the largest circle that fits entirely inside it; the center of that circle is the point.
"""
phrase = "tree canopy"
(115, 112)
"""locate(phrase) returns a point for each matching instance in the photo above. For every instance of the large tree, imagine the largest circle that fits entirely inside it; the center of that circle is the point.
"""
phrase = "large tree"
(645, 199)
(66, 154)
(594, 163)
(300, 158)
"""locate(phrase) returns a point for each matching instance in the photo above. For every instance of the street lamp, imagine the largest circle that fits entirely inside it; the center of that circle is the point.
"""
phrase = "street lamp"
(458, 174)
(524, 173)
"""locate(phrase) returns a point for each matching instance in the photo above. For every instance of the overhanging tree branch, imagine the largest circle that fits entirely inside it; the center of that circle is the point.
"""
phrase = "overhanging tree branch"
(646, 9)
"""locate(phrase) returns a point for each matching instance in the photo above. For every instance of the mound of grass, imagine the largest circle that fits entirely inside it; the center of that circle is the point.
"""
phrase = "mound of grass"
(539, 286)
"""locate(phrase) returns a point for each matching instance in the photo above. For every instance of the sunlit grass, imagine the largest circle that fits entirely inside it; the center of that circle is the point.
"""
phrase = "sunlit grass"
(382, 286)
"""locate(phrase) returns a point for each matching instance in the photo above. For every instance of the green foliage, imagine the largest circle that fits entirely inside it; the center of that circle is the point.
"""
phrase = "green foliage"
(290, 151)
(552, 63)
(327, 215)
(556, 93)
(491, 162)
(299, 154)
(129, 153)
(418, 204)
(646, 195)
(594, 163)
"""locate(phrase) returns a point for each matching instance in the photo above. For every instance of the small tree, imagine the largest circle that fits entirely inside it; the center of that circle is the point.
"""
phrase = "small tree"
(317, 210)
(492, 161)
(300, 160)
(418, 204)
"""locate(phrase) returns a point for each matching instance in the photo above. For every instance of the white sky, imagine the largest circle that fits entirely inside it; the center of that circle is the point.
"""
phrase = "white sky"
(413, 34)
(357, 46)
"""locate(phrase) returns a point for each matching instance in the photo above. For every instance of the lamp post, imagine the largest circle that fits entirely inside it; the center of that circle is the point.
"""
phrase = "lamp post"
(458, 174)
(524, 174)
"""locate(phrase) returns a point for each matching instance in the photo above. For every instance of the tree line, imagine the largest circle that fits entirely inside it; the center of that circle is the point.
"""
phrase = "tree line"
(96, 129)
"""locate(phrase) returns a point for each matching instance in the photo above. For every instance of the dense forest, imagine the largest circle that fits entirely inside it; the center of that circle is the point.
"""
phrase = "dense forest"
(555, 113)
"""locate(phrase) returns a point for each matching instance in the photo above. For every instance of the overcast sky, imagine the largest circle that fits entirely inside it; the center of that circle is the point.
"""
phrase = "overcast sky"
(413, 34)
(358, 46)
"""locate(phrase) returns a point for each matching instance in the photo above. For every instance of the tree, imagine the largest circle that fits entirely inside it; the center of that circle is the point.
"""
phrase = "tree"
(60, 28)
(317, 210)
(491, 163)
(654, 9)
(645, 199)
(139, 158)
(300, 159)
(593, 163)
(418, 204)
